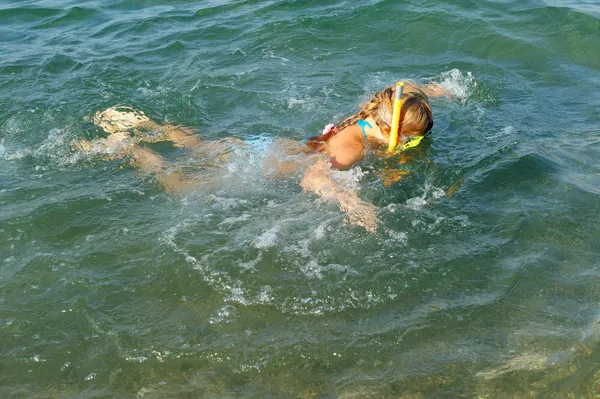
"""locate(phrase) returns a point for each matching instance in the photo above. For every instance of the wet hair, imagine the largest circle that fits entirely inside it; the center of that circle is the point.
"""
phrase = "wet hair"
(415, 119)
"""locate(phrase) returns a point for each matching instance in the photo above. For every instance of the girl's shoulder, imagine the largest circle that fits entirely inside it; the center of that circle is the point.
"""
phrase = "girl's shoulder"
(349, 136)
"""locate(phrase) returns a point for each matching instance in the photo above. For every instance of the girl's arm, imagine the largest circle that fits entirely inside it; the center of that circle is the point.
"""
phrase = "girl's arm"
(150, 162)
(435, 90)
(317, 179)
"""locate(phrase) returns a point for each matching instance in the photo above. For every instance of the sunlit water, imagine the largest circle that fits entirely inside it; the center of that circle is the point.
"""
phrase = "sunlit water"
(482, 279)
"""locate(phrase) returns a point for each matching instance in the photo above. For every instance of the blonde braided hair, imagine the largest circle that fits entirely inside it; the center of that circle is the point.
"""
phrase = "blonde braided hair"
(416, 118)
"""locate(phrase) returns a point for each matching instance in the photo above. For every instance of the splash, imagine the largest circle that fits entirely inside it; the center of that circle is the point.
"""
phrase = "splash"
(459, 85)
(350, 179)
(11, 155)
(430, 193)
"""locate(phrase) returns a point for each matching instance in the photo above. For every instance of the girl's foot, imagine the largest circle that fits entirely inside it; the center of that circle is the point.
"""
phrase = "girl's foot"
(120, 118)
(113, 146)
(143, 129)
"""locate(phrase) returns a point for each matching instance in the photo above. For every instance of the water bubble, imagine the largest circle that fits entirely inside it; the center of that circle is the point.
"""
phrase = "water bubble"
(227, 314)
(136, 359)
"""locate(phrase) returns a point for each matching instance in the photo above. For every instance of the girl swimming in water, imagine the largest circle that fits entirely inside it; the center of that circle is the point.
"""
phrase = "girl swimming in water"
(347, 143)
(339, 146)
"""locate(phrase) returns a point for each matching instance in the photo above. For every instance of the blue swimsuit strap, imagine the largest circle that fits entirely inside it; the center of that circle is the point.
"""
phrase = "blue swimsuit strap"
(362, 123)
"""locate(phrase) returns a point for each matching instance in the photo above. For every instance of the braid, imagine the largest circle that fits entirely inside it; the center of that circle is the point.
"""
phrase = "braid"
(368, 110)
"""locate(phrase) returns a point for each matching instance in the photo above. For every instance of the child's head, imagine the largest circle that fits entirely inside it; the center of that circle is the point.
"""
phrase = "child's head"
(415, 119)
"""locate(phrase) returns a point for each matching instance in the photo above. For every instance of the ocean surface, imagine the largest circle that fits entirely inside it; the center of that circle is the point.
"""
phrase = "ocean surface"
(482, 279)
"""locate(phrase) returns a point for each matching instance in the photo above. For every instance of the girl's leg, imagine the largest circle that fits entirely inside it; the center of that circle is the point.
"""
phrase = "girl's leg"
(117, 122)
(152, 163)
(123, 119)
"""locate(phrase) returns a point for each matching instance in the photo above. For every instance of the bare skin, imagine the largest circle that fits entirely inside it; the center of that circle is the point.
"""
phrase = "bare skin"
(435, 90)
(344, 149)
(286, 157)
(126, 129)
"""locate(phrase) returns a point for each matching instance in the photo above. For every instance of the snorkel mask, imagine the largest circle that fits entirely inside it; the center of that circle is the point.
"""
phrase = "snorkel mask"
(393, 143)
(412, 142)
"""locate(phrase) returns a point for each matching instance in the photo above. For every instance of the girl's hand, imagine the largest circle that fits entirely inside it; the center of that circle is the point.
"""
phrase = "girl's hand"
(436, 90)
(363, 214)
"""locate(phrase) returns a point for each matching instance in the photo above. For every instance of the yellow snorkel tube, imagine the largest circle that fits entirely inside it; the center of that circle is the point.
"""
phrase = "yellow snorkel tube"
(393, 143)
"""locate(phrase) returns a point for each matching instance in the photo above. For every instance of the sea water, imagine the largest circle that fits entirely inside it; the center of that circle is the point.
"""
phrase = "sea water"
(481, 281)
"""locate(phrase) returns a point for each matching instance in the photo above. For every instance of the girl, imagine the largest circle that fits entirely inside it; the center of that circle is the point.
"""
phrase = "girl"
(342, 145)
(347, 143)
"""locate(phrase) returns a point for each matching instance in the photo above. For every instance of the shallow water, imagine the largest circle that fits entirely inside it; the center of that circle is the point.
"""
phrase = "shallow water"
(482, 279)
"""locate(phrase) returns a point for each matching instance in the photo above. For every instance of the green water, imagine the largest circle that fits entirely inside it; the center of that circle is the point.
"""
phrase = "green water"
(482, 280)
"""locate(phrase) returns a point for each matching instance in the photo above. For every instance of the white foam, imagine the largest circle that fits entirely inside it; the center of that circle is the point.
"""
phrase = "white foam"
(235, 219)
(399, 237)
(136, 359)
(13, 155)
(416, 204)
(239, 50)
(236, 293)
(349, 179)
(55, 144)
(265, 296)
(251, 265)
(294, 102)
(300, 98)
(227, 204)
(312, 270)
(149, 91)
(437, 192)
(267, 239)
(463, 220)
(227, 314)
(320, 231)
(430, 193)
(459, 85)
(335, 267)
(271, 54)
(219, 280)
(507, 131)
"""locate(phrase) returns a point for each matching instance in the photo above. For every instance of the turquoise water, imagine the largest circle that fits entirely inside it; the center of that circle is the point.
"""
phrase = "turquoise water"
(482, 280)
